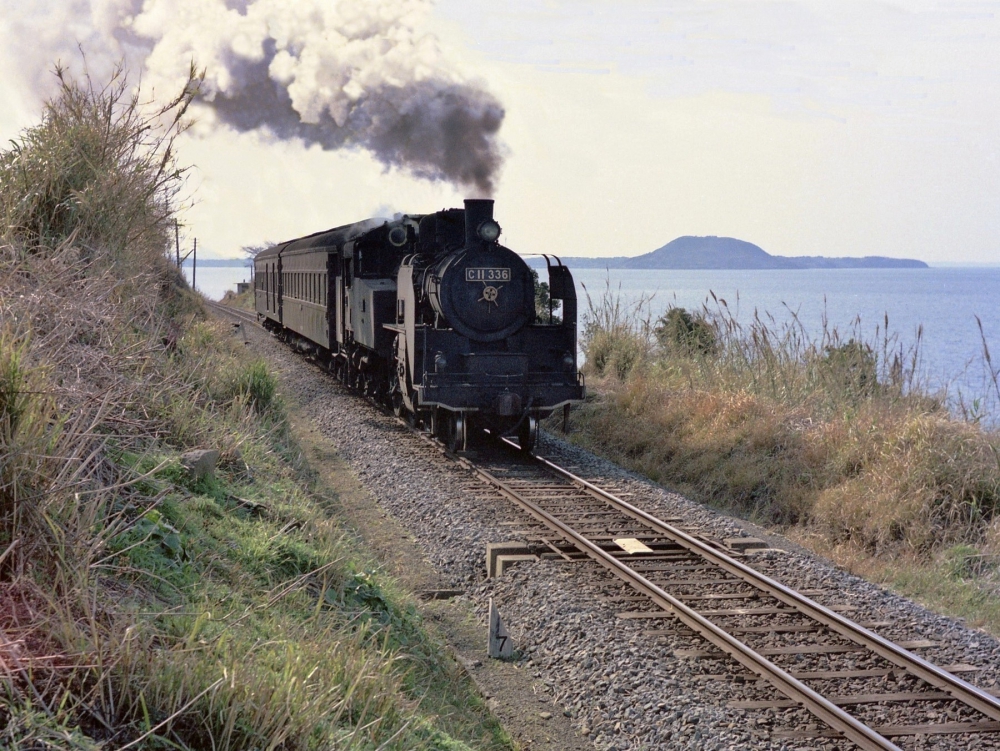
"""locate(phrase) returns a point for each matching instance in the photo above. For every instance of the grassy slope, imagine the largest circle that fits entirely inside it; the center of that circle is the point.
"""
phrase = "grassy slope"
(140, 608)
(832, 441)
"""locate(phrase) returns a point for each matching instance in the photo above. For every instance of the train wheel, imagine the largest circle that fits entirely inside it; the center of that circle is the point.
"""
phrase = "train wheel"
(438, 422)
(527, 433)
(458, 438)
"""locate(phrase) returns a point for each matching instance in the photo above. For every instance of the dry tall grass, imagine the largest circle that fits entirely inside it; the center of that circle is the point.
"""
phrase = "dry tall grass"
(139, 608)
(835, 433)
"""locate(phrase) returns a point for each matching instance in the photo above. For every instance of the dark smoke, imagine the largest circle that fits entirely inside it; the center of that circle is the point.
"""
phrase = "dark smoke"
(436, 130)
(356, 74)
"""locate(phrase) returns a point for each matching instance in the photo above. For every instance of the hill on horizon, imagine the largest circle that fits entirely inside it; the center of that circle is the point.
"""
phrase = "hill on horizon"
(711, 252)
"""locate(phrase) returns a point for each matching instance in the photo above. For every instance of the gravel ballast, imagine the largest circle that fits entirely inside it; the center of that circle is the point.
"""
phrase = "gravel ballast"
(622, 689)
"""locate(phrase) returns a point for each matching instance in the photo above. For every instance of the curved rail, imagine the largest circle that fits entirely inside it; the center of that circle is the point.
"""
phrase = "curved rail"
(822, 708)
(959, 689)
(828, 712)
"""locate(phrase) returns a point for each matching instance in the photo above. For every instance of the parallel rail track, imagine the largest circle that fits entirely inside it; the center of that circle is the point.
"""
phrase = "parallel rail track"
(718, 596)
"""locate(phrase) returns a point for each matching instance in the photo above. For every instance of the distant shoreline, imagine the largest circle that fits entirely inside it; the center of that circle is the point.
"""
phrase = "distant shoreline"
(233, 263)
(721, 253)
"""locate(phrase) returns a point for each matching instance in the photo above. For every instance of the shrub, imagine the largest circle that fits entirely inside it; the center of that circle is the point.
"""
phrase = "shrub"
(679, 331)
(850, 369)
(99, 169)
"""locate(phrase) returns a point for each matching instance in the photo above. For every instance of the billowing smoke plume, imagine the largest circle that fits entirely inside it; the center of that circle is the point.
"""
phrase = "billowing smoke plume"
(350, 74)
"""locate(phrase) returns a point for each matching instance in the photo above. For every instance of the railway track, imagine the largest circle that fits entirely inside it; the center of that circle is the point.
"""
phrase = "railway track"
(757, 621)
(807, 652)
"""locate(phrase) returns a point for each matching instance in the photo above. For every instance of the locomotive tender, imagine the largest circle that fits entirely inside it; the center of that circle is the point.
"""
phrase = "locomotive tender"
(430, 313)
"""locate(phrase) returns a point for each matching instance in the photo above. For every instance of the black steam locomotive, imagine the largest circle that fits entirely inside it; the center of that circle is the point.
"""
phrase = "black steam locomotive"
(431, 314)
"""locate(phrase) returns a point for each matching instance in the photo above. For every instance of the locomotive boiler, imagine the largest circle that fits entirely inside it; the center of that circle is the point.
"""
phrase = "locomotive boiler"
(430, 313)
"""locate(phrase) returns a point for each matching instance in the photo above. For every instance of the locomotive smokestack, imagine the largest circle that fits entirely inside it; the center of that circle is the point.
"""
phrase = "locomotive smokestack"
(477, 211)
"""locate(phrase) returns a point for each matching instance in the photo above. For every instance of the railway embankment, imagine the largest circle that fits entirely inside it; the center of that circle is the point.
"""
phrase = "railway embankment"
(585, 658)
(832, 440)
(147, 601)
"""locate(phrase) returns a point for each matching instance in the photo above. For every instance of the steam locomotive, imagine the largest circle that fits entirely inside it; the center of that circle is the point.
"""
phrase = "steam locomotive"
(431, 314)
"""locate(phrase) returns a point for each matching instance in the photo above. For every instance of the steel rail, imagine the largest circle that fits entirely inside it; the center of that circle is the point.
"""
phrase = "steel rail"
(246, 315)
(959, 689)
(832, 715)
(823, 709)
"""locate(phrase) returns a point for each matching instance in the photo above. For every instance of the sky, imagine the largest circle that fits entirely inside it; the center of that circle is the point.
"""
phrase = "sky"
(809, 128)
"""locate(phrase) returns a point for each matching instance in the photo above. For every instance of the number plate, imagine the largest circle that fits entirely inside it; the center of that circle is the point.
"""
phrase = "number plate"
(487, 275)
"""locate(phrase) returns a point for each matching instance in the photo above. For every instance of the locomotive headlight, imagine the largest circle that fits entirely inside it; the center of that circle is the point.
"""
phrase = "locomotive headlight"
(488, 231)
(569, 361)
(397, 236)
(440, 362)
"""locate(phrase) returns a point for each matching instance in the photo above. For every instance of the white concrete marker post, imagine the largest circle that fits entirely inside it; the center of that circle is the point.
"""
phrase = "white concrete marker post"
(500, 645)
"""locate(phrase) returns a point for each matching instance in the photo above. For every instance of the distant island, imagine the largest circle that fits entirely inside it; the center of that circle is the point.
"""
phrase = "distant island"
(728, 253)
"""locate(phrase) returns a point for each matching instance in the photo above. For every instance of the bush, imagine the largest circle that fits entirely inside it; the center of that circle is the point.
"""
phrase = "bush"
(99, 170)
(26, 419)
(679, 331)
(850, 369)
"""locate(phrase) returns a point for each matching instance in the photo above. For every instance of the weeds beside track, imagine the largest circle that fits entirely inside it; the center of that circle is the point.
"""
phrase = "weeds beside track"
(834, 439)
(141, 607)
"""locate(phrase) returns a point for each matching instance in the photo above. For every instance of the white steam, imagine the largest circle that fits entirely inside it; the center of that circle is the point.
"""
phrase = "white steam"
(351, 74)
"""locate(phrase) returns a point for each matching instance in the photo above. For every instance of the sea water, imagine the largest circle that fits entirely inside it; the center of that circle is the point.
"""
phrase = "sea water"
(943, 303)
(940, 306)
